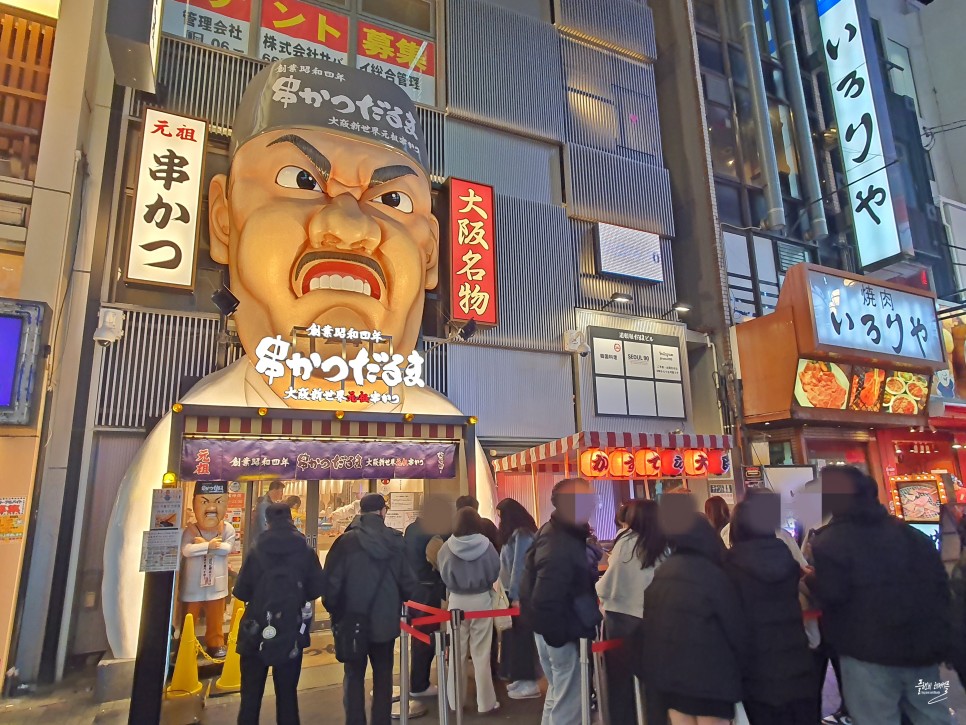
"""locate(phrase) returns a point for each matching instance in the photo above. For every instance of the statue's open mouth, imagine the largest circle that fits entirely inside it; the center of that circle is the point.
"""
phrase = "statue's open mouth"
(338, 271)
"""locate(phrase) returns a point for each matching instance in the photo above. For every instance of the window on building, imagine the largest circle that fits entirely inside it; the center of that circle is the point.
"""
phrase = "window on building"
(900, 72)
(746, 132)
(724, 151)
(729, 203)
(782, 132)
(706, 14)
(716, 89)
(739, 69)
(710, 55)
(416, 14)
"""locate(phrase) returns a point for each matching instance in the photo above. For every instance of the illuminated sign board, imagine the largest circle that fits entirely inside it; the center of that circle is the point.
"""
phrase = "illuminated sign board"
(878, 208)
(167, 202)
(408, 62)
(473, 291)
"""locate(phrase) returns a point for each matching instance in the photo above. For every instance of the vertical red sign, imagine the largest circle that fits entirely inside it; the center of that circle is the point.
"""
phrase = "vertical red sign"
(473, 294)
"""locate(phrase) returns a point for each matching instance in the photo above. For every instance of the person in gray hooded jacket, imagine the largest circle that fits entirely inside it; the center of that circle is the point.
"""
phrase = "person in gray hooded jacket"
(469, 566)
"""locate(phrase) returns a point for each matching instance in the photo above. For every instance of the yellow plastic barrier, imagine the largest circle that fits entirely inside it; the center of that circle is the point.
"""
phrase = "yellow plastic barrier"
(230, 679)
(184, 681)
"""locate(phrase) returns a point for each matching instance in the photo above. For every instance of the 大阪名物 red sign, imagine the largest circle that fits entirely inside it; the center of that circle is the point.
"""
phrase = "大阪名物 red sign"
(473, 293)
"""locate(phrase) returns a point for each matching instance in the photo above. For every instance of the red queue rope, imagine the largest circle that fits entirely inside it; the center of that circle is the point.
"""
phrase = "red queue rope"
(606, 645)
(432, 619)
(426, 608)
(413, 632)
(489, 613)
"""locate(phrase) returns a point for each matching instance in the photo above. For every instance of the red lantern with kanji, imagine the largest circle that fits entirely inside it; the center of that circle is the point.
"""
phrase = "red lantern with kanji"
(621, 463)
(719, 463)
(647, 463)
(696, 462)
(594, 463)
(672, 463)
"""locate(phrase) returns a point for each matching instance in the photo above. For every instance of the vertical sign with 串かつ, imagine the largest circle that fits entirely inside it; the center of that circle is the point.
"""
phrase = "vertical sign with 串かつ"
(408, 62)
(219, 23)
(167, 201)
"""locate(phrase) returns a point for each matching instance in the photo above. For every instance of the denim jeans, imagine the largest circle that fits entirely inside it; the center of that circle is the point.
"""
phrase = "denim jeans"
(880, 695)
(561, 665)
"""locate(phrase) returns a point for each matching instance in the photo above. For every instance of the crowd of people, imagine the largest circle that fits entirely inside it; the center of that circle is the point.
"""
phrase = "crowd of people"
(722, 616)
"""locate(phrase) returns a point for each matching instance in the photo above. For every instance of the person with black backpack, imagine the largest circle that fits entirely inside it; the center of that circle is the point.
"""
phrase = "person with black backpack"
(368, 578)
(278, 581)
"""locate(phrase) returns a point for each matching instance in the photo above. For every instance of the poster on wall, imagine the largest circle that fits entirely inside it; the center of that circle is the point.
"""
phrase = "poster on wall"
(402, 59)
(167, 201)
(13, 518)
(820, 384)
(294, 29)
(221, 24)
(637, 374)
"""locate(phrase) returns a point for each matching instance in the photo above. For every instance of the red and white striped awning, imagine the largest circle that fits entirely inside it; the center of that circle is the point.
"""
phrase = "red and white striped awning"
(559, 450)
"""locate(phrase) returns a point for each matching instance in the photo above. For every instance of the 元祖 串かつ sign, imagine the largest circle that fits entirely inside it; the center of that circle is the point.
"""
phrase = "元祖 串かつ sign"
(473, 291)
(167, 201)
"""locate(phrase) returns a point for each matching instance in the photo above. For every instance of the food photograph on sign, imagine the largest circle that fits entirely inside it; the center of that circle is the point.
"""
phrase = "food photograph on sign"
(905, 393)
(820, 384)
(920, 501)
(865, 393)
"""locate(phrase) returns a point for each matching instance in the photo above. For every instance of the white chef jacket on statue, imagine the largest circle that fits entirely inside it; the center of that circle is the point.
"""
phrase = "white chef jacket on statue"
(236, 385)
(204, 572)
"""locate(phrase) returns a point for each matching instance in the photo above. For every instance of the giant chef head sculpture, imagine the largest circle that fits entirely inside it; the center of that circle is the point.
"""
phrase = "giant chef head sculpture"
(325, 215)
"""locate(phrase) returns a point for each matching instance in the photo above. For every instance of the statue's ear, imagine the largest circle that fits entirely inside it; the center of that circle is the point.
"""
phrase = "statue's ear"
(432, 258)
(219, 218)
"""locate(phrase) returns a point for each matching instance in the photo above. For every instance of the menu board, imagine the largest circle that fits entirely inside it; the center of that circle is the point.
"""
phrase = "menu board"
(905, 393)
(820, 384)
(637, 373)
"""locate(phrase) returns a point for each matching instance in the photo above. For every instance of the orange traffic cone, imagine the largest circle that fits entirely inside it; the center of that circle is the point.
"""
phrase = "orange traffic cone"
(184, 681)
(230, 680)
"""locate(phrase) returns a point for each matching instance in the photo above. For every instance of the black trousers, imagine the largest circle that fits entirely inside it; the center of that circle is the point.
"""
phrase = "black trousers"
(799, 712)
(518, 652)
(354, 691)
(620, 666)
(254, 673)
(421, 655)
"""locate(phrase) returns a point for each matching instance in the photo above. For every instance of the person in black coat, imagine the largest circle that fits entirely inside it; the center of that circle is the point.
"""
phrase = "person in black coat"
(280, 549)
(368, 574)
(558, 598)
(694, 634)
(885, 601)
(779, 681)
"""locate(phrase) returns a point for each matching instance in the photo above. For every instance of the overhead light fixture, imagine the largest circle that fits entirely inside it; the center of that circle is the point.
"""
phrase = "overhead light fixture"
(680, 307)
(618, 298)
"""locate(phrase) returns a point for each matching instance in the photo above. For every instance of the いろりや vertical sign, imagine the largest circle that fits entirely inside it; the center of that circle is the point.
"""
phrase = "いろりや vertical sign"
(473, 293)
(167, 201)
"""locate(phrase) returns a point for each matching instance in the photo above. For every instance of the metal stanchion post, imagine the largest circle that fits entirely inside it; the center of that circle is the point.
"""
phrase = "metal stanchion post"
(404, 670)
(441, 676)
(638, 702)
(456, 661)
(585, 681)
(600, 683)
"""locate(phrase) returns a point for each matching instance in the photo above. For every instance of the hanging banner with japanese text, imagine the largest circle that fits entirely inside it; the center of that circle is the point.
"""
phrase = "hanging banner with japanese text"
(293, 29)
(167, 201)
(219, 459)
(219, 23)
(879, 215)
(473, 291)
(881, 320)
(402, 59)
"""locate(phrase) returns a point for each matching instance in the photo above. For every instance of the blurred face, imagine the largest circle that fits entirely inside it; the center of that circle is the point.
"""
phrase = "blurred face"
(577, 503)
(838, 493)
(319, 228)
(210, 510)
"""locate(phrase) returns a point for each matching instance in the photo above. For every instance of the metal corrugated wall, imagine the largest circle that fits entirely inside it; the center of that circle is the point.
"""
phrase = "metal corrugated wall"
(623, 25)
(503, 68)
(593, 291)
(140, 375)
(589, 419)
(515, 394)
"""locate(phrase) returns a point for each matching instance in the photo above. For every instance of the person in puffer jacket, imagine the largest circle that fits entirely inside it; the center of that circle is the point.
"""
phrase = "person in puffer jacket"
(469, 566)
(779, 681)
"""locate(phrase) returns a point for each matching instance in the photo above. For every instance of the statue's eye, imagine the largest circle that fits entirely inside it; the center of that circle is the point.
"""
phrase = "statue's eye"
(397, 200)
(295, 177)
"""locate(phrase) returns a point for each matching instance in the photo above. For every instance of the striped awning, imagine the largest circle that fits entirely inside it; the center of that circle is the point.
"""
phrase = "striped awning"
(557, 451)
(285, 427)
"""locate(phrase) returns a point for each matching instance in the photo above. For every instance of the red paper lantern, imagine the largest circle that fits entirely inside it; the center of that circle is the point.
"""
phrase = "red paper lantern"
(621, 463)
(719, 463)
(594, 463)
(647, 463)
(672, 463)
(696, 462)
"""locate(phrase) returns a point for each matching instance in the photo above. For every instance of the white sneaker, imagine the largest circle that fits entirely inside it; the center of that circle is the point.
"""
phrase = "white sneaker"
(513, 685)
(430, 691)
(525, 691)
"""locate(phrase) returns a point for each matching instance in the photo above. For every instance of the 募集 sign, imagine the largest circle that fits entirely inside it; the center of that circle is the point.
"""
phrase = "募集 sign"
(473, 292)
(408, 62)
(164, 237)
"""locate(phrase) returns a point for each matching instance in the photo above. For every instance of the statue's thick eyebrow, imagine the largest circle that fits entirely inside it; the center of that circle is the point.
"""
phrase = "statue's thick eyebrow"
(318, 159)
(388, 173)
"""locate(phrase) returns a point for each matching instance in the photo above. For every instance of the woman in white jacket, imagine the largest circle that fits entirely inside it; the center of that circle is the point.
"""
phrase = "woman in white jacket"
(638, 551)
